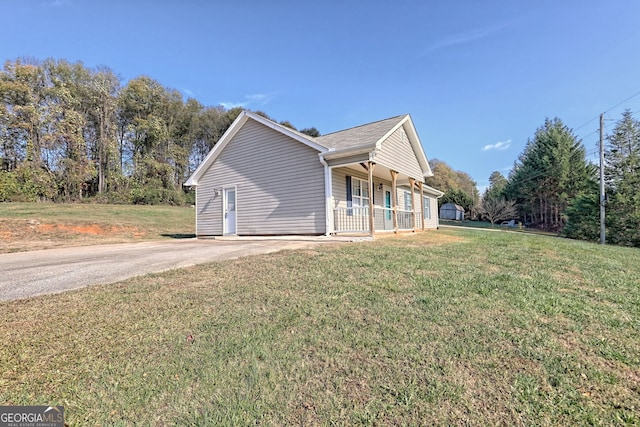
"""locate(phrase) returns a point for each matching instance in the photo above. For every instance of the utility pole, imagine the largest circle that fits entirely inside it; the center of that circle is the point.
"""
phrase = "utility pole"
(602, 195)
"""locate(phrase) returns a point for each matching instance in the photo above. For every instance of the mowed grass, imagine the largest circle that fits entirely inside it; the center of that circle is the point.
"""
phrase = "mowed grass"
(450, 327)
(29, 226)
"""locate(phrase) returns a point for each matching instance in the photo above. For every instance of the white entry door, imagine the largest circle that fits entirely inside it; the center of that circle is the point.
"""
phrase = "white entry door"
(229, 210)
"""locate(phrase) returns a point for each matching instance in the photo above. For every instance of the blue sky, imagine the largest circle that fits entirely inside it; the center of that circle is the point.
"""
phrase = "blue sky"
(477, 77)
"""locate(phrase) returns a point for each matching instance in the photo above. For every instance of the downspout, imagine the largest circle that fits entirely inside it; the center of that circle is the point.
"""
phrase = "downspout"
(328, 196)
(196, 208)
(422, 204)
(438, 212)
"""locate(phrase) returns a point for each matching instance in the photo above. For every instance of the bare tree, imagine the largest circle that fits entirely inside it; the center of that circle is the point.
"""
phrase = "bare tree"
(498, 209)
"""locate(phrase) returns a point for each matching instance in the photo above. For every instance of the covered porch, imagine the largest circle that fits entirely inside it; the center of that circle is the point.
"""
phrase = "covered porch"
(367, 197)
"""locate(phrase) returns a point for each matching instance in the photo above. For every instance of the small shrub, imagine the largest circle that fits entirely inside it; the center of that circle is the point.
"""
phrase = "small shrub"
(8, 186)
(113, 198)
(157, 196)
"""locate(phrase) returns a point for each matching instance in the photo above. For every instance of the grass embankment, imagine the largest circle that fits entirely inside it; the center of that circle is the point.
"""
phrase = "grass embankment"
(495, 227)
(454, 327)
(29, 226)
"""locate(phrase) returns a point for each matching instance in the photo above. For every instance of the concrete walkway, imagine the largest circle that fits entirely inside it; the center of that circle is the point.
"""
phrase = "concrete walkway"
(28, 274)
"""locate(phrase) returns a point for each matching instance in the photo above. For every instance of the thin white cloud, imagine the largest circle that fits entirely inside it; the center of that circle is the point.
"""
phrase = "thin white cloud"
(500, 145)
(187, 92)
(463, 38)
(249, 100)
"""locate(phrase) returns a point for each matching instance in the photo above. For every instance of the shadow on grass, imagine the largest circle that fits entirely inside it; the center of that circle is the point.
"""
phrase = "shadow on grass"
(179, 235)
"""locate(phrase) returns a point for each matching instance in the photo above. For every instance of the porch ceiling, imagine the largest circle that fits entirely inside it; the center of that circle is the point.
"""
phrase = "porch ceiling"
(381, 172)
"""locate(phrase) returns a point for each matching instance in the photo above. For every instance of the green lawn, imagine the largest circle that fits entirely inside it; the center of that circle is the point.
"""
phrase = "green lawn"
(28, 226)
(454, 327)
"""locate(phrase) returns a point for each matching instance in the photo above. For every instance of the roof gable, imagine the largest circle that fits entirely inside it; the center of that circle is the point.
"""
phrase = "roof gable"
(416, 144)
(233, 130)
(369, 137)
(372, 136)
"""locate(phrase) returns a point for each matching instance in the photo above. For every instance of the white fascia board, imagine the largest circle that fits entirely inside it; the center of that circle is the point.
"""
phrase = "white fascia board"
(390, 132)
(432, 190)
(418, 149)
(231, 132)
(217, 149)
(343, 152)
(414, 140)
(286, 131)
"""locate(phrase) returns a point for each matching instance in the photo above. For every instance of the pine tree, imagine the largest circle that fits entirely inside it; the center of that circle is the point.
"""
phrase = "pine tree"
(551, 171)
(622, 176)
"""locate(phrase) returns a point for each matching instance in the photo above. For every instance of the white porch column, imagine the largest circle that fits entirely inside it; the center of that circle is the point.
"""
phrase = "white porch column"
(370, 166)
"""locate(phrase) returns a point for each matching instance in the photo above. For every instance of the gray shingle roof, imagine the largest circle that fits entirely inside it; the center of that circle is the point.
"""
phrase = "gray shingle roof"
(363, 135)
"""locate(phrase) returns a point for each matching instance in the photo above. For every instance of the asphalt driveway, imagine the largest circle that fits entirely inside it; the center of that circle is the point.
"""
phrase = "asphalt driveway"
(28, 274)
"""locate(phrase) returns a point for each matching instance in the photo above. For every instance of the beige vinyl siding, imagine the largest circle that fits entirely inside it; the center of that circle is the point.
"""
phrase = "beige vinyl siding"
(433, 221)
(279, 181)
(209, 207)
(397, 153)
(339, 183)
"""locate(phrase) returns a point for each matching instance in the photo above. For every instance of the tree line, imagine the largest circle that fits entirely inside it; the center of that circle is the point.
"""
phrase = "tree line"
(554, 187)
(69, 132)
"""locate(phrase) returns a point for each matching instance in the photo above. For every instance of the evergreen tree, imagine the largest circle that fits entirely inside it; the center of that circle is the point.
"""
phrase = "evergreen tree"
(497, 185)
(622, 176)
(550, 172)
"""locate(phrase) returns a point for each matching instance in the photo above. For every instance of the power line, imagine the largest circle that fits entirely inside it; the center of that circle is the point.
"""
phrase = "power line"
(620, 103)
(615, 106)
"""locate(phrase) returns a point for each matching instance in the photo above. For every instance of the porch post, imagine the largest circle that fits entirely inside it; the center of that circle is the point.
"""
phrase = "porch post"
(394, 200)
(412, 184)
(328, 198)
(370, 167)
(422, 203)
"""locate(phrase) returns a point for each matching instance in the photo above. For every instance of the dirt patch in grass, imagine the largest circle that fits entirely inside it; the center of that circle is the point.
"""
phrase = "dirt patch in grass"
(20, 234)
(88, 229)
(30, 226)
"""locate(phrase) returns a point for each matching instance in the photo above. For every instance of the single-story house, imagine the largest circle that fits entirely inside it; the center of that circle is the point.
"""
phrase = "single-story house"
(263, 178)
(451, 211)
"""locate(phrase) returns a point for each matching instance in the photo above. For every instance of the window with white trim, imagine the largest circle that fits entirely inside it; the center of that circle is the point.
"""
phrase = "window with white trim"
(360, 196)
(427, 207)
(407, 201)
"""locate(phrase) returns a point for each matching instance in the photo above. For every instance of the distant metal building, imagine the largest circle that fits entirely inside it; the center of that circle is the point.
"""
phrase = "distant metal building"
(452, 211)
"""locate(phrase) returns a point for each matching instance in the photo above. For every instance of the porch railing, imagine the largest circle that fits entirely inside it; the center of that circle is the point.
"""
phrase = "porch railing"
(356, 219)
(351, 220)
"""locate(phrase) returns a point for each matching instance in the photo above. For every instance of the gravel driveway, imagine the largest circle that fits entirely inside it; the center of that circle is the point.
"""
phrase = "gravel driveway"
(27, 274)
